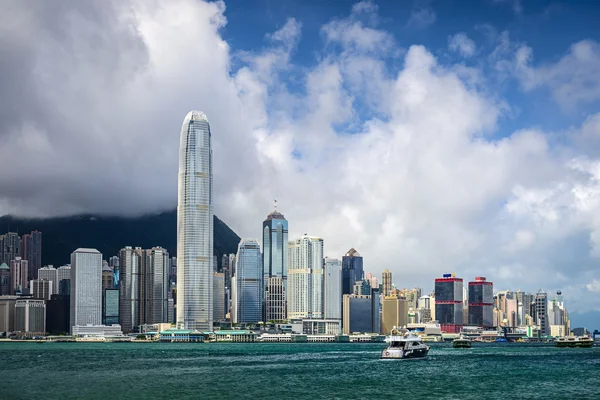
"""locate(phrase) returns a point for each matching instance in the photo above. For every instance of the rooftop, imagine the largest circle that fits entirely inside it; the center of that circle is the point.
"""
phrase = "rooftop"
(4, 266)
(196, 116)
(275, 215)
(352, 253)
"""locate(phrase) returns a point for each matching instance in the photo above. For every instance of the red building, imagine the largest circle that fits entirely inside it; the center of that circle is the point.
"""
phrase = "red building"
(449, 303)
(481, 303)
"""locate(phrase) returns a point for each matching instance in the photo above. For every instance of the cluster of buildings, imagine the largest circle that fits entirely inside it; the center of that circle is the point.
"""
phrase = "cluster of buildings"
(285, 284)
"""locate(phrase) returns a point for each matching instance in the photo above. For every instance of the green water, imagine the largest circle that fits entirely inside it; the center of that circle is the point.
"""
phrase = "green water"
(298, 371)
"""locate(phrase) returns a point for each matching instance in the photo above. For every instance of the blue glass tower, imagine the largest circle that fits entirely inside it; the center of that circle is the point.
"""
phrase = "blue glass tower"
(275, 264)
(352, 270)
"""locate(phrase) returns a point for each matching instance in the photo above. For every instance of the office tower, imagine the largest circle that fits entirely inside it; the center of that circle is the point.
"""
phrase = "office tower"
(10, 247)
(18, 275)
(332, 289)
(248, 280)
(386, 279)
(357, 314)
(86, 287)
(195, 225)
(154, 286)
(130, 264)
(352, 270)
(362, 288)
(7, 313)
(63, 272)
(305, 278)
(31, 244)
(41, 288)
(113, 263)
(275, 305)
(449, 303)
(394, 313)
(5, 282)
(57, 315)
(481, 306)
(541, 312)
(218, 296)
(173, 271)
(110, 306)
(30, 316)
(49, 273)
(275, 252)
(108, 279)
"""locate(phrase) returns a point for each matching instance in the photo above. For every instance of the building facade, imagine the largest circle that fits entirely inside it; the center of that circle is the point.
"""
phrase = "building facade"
(5, 282)
(275, 259)
(481, 303)
(386, 279)
(352, 270)
(86, 287)
(219, 296)
(130, 264)
(30, 315)
(19, 272)
(449, 303)
(110, 306)
(275, 304)
(541, 312)
(332, 289)
(394, 313)
(195, 225)
(41, 288)
(10, 248)
(305, 278)
(32, 252)
(248, 280)
(49, 273)
(58, 315)
(154, 285)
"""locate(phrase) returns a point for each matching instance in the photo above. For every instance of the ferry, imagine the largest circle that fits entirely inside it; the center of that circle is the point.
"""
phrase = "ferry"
(462, 342)
(404, 346)
(574, 341)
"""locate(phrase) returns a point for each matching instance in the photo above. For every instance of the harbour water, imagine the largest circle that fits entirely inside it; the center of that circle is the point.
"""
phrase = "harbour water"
(294, 371)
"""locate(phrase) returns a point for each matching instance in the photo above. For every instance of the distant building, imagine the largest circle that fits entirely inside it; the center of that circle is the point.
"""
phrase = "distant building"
(58, 315)
(108, 279)
(7, 313)
(541, 312)
(394, 313)
(481, 303)
(386, 280)
(49, 273)
(41, 288)
(275, 304)
(155, 285)
(352, 270)
(305, 278)
(275, 256)
(64, 274)
(110, 306)
(32, 252)
(248, 279)
(5, 282)
(130, 264)
(449, 303)
(357, 314)
(362, 288)
(332, 289)
(218, 296)
(30, 315)
(86, 287)
(18, 274)
(10, 248)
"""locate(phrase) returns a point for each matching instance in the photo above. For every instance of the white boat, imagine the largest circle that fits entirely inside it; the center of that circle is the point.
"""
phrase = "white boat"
(574, 341)
(404, 346)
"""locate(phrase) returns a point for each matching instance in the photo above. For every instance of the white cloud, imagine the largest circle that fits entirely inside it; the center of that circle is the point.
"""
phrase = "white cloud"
(421, 18)
(461, 43)
(593, 286)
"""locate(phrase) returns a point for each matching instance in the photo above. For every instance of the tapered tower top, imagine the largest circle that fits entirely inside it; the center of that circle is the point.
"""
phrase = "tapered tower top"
(196, 116)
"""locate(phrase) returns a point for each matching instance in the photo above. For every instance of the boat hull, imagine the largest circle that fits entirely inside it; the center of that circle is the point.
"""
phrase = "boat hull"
(575, 344)
(466, 345)
(393, 354)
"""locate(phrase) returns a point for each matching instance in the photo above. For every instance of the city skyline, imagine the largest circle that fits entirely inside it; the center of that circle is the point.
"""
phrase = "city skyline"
(431, 137)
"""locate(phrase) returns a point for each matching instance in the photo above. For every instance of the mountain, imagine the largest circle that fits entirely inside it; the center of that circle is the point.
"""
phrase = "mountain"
(61, 236)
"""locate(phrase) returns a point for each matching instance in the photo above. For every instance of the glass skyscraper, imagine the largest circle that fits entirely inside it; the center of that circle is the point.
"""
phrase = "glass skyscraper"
(275, 264)
(248, 283)
(352, 270)
(195, 225)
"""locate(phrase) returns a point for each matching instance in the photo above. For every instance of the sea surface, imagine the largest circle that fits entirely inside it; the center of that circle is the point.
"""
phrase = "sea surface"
(293, 371)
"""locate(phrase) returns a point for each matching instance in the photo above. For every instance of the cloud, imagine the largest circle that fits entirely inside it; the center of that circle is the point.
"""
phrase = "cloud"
(573, 80)
(461, 43)
(389, 150)
(593, 286)
(421, 18)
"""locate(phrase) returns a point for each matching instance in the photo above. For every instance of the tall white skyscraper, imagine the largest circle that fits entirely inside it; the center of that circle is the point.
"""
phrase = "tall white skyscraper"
(305, 278)
(248, 281)
(195, 225)
(332, 289)
(86, 287)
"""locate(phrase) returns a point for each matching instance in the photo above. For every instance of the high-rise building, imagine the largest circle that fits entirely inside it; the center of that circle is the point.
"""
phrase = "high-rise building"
(110, 306)
(7, 313)
(386, 279)
(18, 275)
(86, 287)
(31, 244)
(332, 289)
(352, 270)
(154, 286)
(394, 313)
(449, 303)
(130, 264)
(275, 252)
(10, 247)
(5, 282)
(248, 279)
(108, 279)
(305, 278)
(41, 288)
(275, 305)
(481, 303)
(58, 315)
(541, 312)
(219, 296)
(63, 272)
(30, 315)
(195, 225)
(49, 273)
(358, 314)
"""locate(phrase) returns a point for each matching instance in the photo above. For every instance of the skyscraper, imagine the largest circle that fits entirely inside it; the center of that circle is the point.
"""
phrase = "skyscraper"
(41, 288)
(219, 296)
(155, 285)
(18, 275)
(387, 282)
(541, 312)
(332, 289)
(248, 280)
(5, 283)
(352, 270)
(10, 247)
(195, 225)
(449, 303)
(275, 256)
(481, 306)
(130, 264)
(32, 252)
(51, 274)
(305, 278)
(86, 287)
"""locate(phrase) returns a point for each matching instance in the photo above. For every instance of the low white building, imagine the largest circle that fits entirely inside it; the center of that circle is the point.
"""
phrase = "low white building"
(99, 331)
